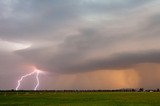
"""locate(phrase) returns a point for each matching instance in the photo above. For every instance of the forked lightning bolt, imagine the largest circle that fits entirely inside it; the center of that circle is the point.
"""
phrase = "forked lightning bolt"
(37, 72)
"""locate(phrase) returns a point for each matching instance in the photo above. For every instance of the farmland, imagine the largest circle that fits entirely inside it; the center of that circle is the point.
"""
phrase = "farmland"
(79, 98)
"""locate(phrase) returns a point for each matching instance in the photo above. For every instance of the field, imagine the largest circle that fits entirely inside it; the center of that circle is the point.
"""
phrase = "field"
(79, 99)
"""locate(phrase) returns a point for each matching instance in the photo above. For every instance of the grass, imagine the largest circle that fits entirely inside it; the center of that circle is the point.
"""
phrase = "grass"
(79, 99)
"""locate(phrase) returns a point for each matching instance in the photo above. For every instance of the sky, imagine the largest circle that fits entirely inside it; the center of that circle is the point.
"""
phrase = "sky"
(80, 44)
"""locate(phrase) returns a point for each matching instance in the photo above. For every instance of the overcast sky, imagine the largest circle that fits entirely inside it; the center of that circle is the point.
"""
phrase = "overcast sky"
(80, 44)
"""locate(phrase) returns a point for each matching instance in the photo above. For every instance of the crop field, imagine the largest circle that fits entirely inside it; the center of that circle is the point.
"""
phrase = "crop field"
(79, 99)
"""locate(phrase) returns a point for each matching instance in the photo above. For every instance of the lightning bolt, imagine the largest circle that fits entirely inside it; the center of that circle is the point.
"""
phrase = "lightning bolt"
(37, 78)
(36, 71)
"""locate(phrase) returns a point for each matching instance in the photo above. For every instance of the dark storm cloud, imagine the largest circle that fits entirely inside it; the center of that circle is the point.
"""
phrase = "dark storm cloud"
(73, 55)
(74, 61)
(122, 61)
(75, 36)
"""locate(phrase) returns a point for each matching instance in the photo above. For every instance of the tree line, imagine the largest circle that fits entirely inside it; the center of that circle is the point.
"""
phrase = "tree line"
(116, 90)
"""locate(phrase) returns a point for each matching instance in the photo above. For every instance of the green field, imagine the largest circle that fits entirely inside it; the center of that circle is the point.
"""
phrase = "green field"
(79, 99)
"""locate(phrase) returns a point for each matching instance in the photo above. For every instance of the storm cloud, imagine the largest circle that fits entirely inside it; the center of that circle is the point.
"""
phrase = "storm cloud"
(69, 37)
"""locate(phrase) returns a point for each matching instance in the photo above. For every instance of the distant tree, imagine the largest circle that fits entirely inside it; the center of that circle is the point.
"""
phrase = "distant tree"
(158, 90)
(141, 90)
